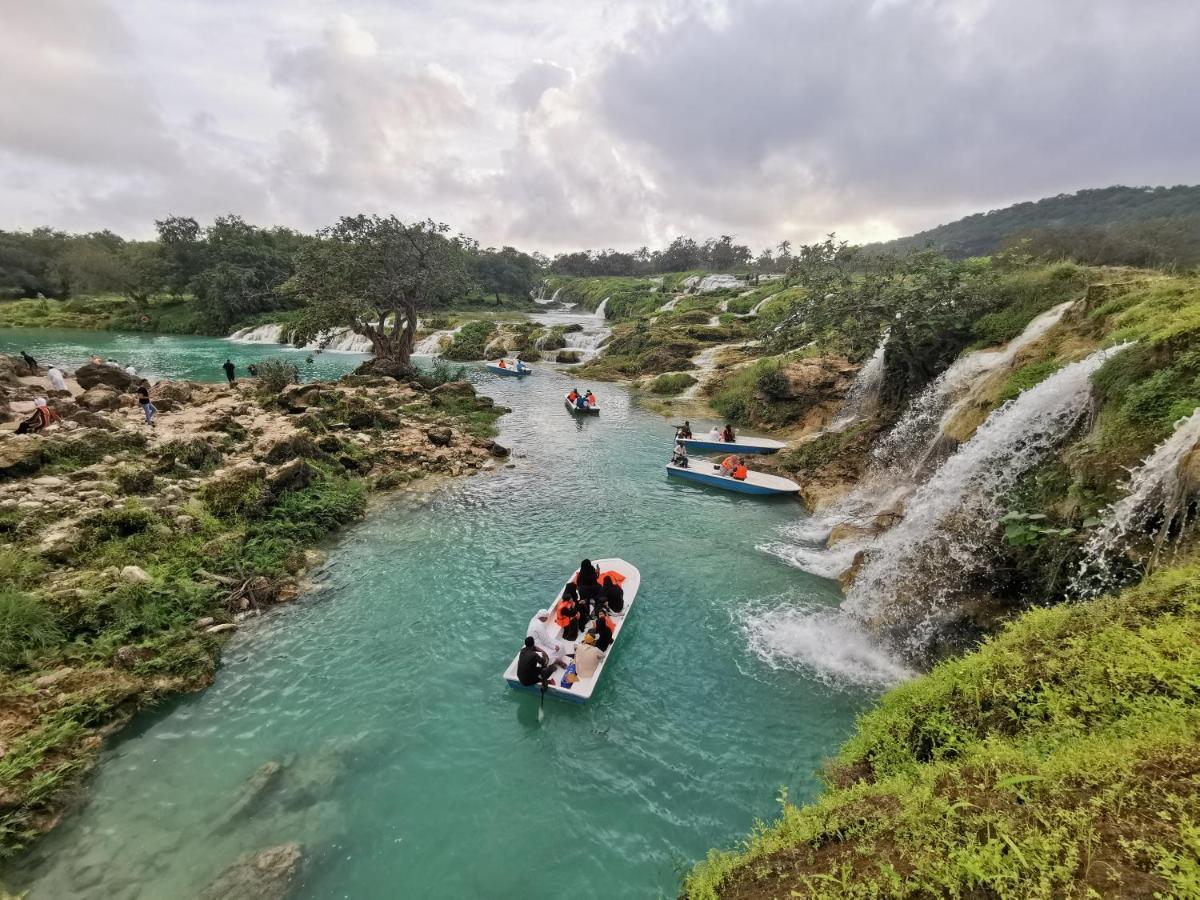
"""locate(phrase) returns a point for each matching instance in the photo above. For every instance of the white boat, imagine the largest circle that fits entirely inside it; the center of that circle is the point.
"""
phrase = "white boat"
(704, 472)
(741, 445)
(581, 411)
(581, 691)
(509, 368)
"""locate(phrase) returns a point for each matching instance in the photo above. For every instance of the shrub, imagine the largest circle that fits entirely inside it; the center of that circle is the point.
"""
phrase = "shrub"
(471, 341)
(135, 481)
(672, 383)
(26, 626)
(238, 493)
(274, 375)
(441, 372)
(196, 454)
(121, 521)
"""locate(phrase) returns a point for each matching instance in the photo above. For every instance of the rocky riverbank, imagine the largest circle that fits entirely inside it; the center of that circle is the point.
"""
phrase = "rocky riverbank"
(128, 553)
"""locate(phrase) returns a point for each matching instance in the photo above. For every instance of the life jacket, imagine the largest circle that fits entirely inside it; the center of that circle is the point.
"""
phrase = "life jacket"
(566, 614)
(740, 473)
(590, 398)
(729, 463)
(572, 396)
(502, 365)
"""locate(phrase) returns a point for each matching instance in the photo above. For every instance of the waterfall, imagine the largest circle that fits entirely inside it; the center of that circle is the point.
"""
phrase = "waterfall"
(435, 343)
(343, 340)
(541, 296)
(757, 306)
(862, 400)
(705, 363)
(915, 571)
(909, 442)
(259, 334)
(670, 304)
(601, 309)
(1158, 504)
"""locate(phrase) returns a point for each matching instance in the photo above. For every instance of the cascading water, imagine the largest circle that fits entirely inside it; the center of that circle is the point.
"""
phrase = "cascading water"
(862, 400)
(601, 310)
(259, 334)
(915, 571)
(705, 363)
(907, 445)
(670, 304)
(435, 343)
(1157, 510)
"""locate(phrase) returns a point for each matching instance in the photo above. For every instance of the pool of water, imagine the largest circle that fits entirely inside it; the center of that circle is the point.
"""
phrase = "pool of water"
(411, 769)
(169, 355)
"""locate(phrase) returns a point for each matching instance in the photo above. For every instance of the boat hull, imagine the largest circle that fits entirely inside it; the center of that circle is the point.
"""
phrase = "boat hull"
(757, 483)
(740, 446)
(507, 372)
(582, 690)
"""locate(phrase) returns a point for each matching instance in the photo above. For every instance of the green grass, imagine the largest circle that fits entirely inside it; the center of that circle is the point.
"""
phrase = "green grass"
(470, 342)
(27, 626)
(1057, 760)
(671, 384)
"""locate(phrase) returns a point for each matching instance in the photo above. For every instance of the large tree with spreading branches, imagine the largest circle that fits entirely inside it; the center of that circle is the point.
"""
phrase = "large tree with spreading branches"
(375, 276)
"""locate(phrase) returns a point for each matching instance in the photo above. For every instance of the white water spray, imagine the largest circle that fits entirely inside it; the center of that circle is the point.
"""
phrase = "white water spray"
(862, 400)
(1155, 514)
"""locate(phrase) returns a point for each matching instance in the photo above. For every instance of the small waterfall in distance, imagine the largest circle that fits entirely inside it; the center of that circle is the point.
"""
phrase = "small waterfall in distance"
(1158, 507)
(862, 400)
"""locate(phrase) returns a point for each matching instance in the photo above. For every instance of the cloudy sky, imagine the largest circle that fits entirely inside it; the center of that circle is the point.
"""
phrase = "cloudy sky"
(558, 124)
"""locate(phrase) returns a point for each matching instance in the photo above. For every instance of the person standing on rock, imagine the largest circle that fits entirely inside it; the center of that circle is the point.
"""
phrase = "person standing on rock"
(230, 371)
(143, 396)
(29, 360)
(54, 373)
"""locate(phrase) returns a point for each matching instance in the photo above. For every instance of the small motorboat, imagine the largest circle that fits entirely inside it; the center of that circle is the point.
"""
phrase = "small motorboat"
(581, 410)
(754, 483)
(512, 368)
(581, 691)
(745, 445)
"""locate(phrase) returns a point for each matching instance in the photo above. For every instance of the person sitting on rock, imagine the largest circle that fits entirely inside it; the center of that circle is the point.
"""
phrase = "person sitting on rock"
(42, 417)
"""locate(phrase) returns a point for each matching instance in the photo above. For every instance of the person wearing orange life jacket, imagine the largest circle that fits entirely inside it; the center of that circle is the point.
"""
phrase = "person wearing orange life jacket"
(573, 396)
(603, 629)
(502, 365)
(733, 467)
(590, 399)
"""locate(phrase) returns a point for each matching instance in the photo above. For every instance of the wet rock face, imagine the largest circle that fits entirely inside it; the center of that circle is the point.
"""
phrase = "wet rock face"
(440, 437)
(266, 875)
(92, 375)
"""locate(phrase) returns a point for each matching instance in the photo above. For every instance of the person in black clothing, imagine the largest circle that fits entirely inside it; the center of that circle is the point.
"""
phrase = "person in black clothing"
(230, 371)
(533, 666)
(29, 360)
(253, 370)
(577, 613)
(603, 633)
(143, 398)
(684, 430)
(614, 595)
(589, 583)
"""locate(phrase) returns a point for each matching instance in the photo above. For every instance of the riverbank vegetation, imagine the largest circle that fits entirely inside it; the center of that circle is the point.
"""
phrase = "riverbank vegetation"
(126, 559)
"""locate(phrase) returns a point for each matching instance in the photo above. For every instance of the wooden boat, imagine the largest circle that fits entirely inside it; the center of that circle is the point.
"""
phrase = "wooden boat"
(588, 411)
(761, 483)
(509, 368)
(581, 691)
(746, 445)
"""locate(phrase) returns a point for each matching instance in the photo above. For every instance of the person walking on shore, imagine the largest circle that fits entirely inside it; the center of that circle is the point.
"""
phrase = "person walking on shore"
(230, 371)
(55, 376)
(143, 398)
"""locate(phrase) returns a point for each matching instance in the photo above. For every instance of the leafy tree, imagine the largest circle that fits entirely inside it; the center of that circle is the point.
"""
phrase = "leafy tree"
(375, 276)
(682, 254)
(507, 271)
(142, 272)
(183, 250)
(245, 270)
(724, 255)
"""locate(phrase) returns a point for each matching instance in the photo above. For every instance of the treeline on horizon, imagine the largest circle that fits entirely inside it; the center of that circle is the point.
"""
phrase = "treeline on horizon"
(236, 270)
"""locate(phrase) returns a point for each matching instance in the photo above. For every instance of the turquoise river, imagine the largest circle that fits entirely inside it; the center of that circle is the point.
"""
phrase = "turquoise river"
(410, 769)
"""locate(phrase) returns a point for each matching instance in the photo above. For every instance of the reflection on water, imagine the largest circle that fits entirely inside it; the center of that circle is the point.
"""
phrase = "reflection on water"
(395, 753)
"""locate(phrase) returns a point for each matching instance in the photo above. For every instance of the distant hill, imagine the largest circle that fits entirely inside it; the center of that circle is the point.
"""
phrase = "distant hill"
(1114, 225)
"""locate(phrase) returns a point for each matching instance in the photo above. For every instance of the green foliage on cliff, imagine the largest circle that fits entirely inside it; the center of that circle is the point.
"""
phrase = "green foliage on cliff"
(1057, 760)
(471, 341)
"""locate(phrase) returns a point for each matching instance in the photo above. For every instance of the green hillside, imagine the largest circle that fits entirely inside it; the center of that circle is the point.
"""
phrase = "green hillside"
(1114, 225)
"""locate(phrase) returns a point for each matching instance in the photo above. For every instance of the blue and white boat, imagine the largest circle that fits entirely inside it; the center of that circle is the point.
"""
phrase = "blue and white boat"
(581, 691)
(743, 445)
(759, 483)
(512, 368)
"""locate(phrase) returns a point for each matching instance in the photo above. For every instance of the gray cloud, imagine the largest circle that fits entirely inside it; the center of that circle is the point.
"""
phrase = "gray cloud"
(611, 124)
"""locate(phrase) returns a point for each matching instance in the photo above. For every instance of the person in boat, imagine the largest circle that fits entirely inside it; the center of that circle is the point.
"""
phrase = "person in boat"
(733, 467)
(590, 399)
(533, 665)
(502, 364)
(588, 657)
(589, 583)
(573, 396)
(727, 435)
(55, 375)
(714, 433)
(614, 595)
(143, 398)
(541, 630)
(603, 631)
(568, 614)
(521, 367)
(679, 456)
(41, 417)
(29, 360)
(684, 431)
(230, 371)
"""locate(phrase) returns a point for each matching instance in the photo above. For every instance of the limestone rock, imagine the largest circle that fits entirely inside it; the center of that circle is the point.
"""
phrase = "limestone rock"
(452, 389)
(89, 419)
(292, 476)
(847, 578)
(568, 356)
(134, 575)
(252, 793)
(53, 678)
(91, 375)
(296, 398)
(497, 450)
(294, 446)
(60, 541)
(266, 875)
(177, 391)
(20, 454)
(220, 629)
(205, 621)
(100, 397)
(129, 656)
(440, 437)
